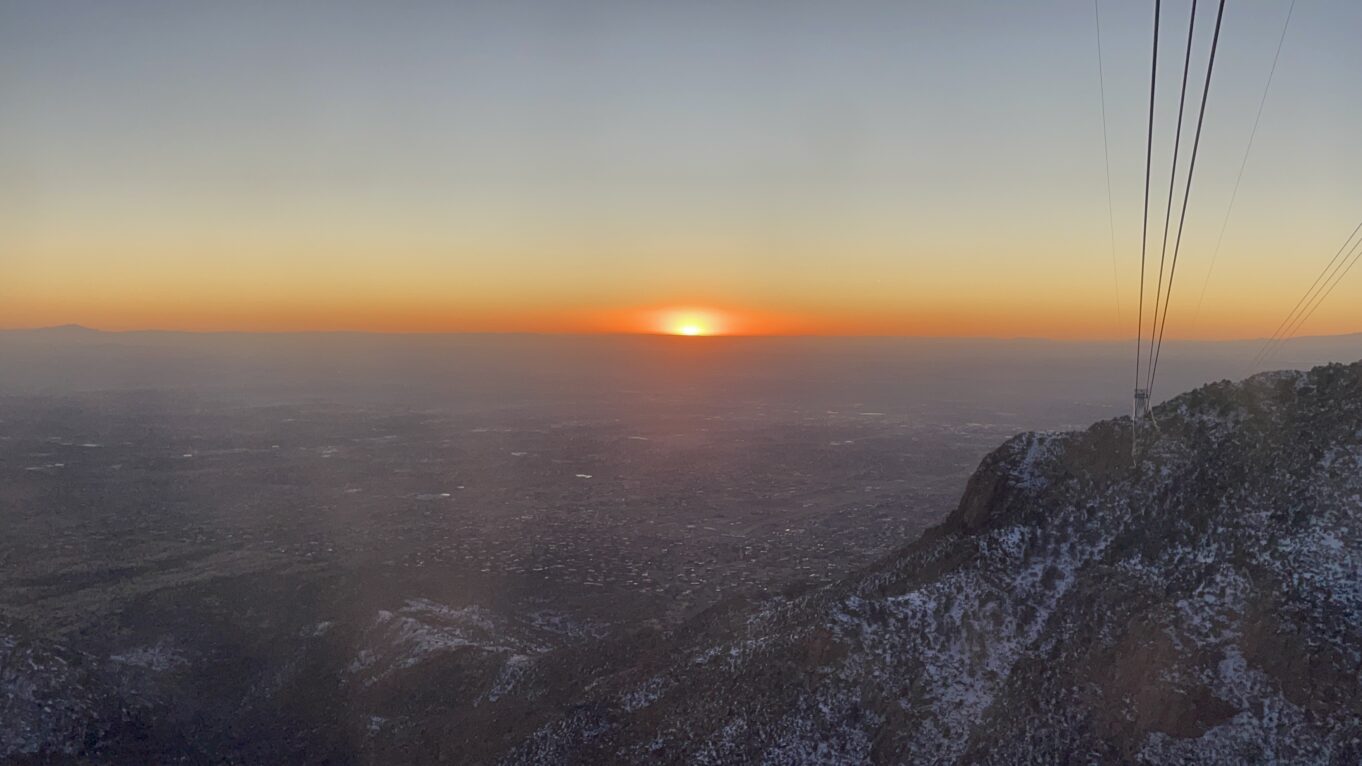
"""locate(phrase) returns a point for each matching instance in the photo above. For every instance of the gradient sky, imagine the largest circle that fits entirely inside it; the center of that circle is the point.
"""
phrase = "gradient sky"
(886, 168)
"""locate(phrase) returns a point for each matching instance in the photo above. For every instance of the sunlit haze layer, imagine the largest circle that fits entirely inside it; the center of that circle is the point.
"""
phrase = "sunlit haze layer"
(887, 168)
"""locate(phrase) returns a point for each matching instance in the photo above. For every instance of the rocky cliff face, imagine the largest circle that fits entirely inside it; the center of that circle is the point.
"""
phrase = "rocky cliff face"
(1203, 604)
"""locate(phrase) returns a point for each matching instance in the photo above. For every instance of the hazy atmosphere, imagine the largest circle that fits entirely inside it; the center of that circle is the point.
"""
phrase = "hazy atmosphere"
(925, 168)
(682, 384)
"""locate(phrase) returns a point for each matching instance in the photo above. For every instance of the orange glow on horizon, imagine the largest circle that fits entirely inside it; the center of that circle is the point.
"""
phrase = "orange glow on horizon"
(691, 322)
(211, 312)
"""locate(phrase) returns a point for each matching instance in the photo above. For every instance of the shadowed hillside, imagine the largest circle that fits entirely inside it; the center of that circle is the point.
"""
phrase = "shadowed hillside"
(1203, 605)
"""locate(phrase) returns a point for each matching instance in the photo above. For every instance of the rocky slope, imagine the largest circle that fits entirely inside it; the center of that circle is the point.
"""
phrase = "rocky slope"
(1201, 605)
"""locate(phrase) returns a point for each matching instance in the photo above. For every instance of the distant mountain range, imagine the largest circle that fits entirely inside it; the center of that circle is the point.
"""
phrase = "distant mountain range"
(61, 329)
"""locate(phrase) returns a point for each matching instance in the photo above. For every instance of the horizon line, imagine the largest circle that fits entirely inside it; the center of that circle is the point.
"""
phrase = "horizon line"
(76, 327)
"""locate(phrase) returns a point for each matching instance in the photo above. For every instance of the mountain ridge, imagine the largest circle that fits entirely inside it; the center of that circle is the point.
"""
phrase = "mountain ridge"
(1201, 604)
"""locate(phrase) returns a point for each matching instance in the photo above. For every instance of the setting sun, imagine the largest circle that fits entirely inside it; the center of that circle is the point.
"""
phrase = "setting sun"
(692, 322)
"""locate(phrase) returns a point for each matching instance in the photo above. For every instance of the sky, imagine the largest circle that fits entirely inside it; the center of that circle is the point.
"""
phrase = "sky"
(904, 168)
